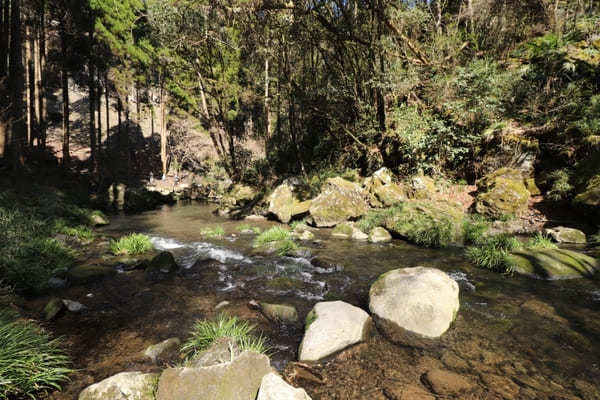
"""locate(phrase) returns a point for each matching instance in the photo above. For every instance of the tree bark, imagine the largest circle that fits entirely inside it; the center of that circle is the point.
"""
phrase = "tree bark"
(41, 68)
(107, 105)
(267, 108)
(31, 85)
(99, 109)
(163, 131)
(66, 126)
(4, 37)
(16, 85)
(92, 110)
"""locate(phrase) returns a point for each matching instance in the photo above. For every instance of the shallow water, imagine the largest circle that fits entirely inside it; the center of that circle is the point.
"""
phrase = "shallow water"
(544, 336)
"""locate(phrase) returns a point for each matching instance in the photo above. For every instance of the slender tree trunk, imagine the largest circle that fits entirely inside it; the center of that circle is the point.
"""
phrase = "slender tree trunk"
(107, 104)
(66, 126)
(28, 62)
(213, 134)
(4, 36)
(16, 86)
(267, 108)
(137, 103)
(41, 68)
(120, 120)
(99, 109)
(4, 41)
(31, 62)
(163, 131)
(92, 111)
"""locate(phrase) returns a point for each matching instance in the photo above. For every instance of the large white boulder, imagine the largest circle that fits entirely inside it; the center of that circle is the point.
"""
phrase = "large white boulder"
(123, 386)
(273, 387)
(332, 326)
(413, 303)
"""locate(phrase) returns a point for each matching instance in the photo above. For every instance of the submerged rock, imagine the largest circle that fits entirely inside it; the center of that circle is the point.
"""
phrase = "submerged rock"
(446, 383)
(561, 234)
(73, 306)
(273, 387)
(379, 235)
(239, 379)
(339, 201)
(553, 263)
(161, 267)
(332, 326)
(89, 273)
(160, 350)
(278, 312)
(123, 386)
(53, 308)
(501, 193)
(414, 303)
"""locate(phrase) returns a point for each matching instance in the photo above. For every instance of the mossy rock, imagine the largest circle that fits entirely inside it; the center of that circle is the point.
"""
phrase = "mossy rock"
(242, 194)
(591, 195)
(53, 308)
(553, 263)
(343, 230)
(284, 283)
(562, 234)
(279, 312)
(391, 194)
(97, 218)
(423, 187)
(89, 273)
(284, 205)
(427, 223)
(501, 193)
(339, 201)
(532, 187)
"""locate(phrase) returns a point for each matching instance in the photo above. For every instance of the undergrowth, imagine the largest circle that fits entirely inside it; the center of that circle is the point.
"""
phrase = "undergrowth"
(205, 333)
(279, 237)
(30, 360)
(133, 244)
(213, 233)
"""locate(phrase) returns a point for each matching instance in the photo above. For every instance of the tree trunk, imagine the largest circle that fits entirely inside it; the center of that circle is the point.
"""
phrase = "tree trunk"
(163, 132)
(267, 108)
(16, 85)
(66, 126)
(107, 104)
(41, 68)
(4, 36)
(99, 109)
(92, 111)
(31, 84)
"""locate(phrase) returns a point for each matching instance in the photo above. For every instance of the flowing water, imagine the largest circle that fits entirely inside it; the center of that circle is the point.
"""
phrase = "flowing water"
(514, 337)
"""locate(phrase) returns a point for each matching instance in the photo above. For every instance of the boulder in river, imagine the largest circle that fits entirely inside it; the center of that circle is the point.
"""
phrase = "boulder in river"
(277, 312)
(501, 193)
(123, 386)
(161, 267)
(284, 205)
(339, 201)
(273, 387)
(562, 234)
(332, 326)
(414, 305)
(53, 308)
(160, 350)
(553, 263)
(379, 235)
(238, 379)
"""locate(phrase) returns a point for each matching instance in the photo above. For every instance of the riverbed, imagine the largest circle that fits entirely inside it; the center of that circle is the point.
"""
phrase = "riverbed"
(514, 338)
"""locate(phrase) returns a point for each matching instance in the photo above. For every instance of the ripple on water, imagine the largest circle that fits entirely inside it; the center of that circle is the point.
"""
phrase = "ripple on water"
(463, 280)
(188, 253)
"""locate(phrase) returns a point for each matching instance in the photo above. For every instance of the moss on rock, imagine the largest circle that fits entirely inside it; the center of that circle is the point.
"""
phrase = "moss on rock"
(501, 193)
(339, 201)
(552, 263)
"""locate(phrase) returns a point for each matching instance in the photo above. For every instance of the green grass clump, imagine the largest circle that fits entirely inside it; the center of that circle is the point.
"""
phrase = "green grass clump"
(30, 360)
(492, 252)
(243, 227)
(275, 234)
(131, 245)
(540, 241)
(475, 230)
(213, 233)
(81, 232)
(278, 237)
(204, 333)
(430, 233)
(370, 220)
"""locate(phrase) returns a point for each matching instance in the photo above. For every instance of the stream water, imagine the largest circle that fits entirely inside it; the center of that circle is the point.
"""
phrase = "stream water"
(514, 337)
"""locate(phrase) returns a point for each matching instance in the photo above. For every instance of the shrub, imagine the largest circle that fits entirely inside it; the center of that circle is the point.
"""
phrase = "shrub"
(560, 188)
(371, 219)
(133, 244)
(540, 241)
(30, 360)
(204, 333)
(491, 253)
(213, 233)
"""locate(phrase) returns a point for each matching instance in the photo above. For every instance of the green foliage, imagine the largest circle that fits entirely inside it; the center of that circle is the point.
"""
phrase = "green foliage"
(491, 253)
(540, 241)
(133, 244)
(204, 333)
(560, 188)
(274, 234)
(213, 233)
(31, 361)
(372, 219)
(81, 232)
(243, 227)
(595, 239)
(430, 233)
(476, 228)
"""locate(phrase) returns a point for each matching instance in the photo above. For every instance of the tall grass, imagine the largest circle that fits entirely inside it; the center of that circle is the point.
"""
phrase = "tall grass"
(492, 252)
(205, 333)
(475, 229)
(540, 241)
(213, 233)
(30, 360)
(133, 244)
(279, 237)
